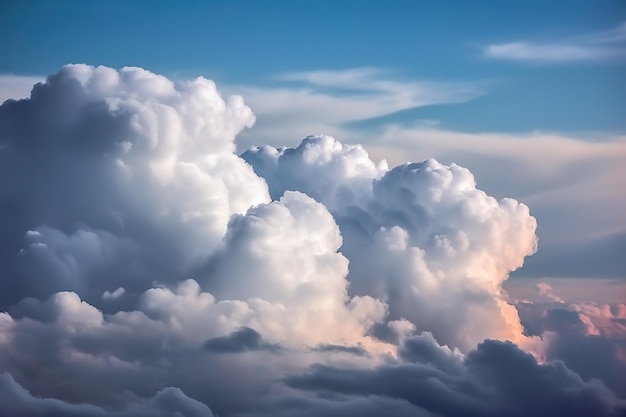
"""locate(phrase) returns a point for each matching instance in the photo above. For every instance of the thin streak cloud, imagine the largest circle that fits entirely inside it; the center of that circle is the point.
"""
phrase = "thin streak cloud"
(593, 47)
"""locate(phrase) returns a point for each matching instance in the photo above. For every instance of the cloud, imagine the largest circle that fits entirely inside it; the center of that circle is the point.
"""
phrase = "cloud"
(112, 168)
(17, 401)
(524, 51)
(420, 236)
(172, 338)
(545, 290)
(112, 295)
(283, 258)
(370, 406)
(137, 250)
(593, 47)
(351, 350)
(552, 172)
(576, 180)
(242, 340)
(495, 379)
(571, 290)
(301, 103)
(589, 337)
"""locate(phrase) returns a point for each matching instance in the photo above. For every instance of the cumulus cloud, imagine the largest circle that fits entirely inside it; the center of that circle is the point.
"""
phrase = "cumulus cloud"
(550, 171)
(117, 178)
(17, 401)
(141, 257)
(242, 340)
(420, 236)
(112, 295)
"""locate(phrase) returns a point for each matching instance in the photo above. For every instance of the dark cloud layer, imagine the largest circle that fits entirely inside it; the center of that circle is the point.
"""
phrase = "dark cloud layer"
(353, 350)
(590, 339)
(15, 401)
(497, 379)
(242, 340)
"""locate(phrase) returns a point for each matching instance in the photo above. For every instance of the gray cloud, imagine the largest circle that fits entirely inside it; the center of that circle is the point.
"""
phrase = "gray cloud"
(242, 340)
(589, 338)
(352, 350)
(497, 379)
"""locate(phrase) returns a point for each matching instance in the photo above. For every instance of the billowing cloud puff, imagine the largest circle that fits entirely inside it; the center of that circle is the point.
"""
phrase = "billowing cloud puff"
(283, 258)
(17, 401)
(141, 258)
(117, 179)
(420, 236)
(335, 174)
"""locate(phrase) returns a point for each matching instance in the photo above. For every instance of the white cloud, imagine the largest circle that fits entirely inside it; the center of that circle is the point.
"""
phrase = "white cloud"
(140, 179)
(322, 101)
(112, 295)
(553, 172)
(139, 241)
(420, 236)
(592, 47)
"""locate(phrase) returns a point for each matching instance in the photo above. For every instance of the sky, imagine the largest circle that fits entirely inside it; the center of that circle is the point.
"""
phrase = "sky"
(240, 208)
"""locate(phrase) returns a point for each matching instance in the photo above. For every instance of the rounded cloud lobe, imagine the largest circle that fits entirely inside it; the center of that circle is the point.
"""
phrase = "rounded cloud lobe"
(420, 236)
(146, 269)
(117, 179)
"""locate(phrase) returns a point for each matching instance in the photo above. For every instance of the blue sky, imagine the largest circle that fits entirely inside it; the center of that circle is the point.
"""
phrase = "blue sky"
(529, 95)
(252, 41)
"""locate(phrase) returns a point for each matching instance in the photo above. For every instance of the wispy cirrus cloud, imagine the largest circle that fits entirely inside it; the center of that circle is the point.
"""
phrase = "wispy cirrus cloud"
(599, 46)
(324, 100)
(526, 51)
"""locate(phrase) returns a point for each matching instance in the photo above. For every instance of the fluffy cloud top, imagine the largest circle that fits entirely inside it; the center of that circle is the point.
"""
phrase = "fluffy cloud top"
(138, 253)
(420, 236)
(117, 179)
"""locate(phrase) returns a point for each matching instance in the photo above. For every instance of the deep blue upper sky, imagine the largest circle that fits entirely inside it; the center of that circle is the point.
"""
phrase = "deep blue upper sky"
(251, 41)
